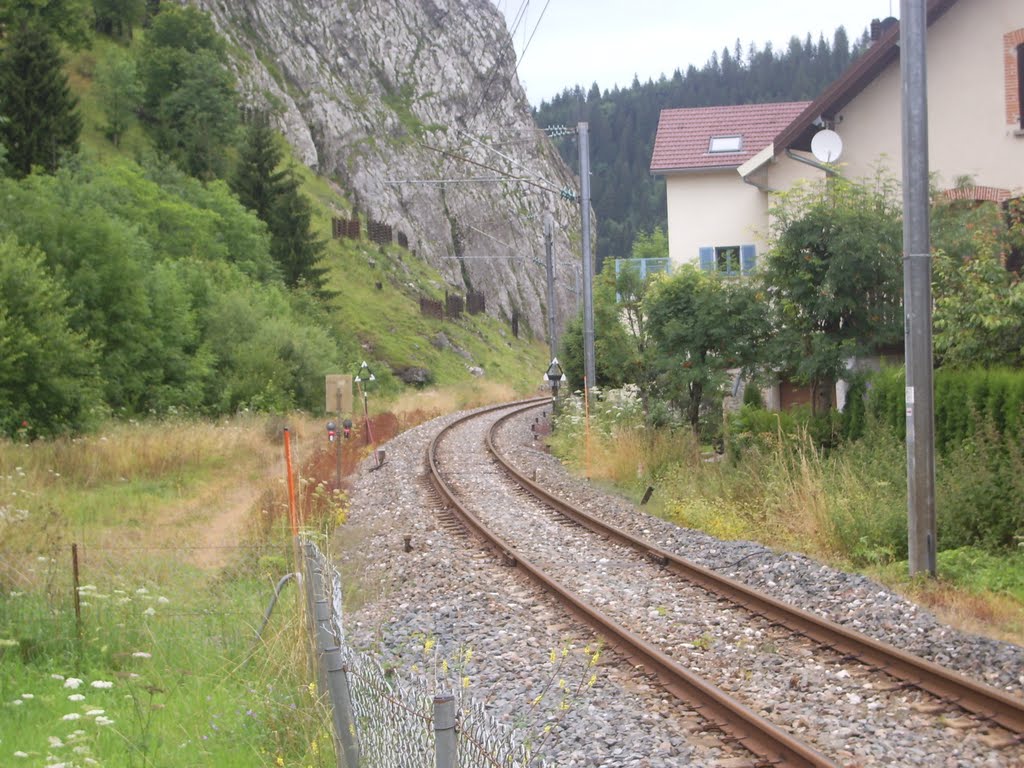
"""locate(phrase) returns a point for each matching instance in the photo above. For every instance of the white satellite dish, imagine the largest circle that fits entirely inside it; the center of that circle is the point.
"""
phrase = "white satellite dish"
(827, 146)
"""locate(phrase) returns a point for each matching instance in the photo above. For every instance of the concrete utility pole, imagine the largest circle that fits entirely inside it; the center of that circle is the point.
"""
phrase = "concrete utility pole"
(917, 292)
(589, 366)
(550, 263)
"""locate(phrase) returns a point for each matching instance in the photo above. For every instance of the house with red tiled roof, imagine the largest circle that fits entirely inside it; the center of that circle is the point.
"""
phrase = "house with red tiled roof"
(722, 165)
(712, 216)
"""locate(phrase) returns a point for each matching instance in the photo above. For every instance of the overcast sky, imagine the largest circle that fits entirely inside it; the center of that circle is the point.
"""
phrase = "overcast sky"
(608, 41)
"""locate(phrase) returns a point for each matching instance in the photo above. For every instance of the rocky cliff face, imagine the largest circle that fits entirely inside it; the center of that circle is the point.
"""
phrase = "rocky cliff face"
(414, 108)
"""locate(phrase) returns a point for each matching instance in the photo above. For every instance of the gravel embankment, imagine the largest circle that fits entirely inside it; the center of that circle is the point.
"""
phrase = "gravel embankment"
(451, 590)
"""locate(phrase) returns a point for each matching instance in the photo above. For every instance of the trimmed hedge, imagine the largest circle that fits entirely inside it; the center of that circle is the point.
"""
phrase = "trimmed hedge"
(964, 400)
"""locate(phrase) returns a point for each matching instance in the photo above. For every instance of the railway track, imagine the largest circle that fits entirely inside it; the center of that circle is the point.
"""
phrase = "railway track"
(892, 675)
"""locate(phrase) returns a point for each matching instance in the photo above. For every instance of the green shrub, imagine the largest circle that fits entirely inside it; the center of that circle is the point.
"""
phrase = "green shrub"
(49, 379)
(752, 396)
(965, 401)
(753, 427)
(980, 492)
(979, 570)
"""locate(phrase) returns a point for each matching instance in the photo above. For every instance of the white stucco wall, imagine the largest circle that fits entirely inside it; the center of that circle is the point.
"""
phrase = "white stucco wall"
(968, 132)
(968, 135)
(783, 173)
(712, 209)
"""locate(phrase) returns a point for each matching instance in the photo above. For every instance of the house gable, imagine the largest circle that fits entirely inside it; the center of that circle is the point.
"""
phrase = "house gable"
(706, 138)
(974, 99)
(698, 150)
(858, 76)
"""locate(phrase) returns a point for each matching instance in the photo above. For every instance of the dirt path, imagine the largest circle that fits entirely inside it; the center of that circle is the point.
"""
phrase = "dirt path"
(217, 522)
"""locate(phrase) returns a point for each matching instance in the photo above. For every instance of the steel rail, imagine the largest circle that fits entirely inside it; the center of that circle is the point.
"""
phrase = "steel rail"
(985, 701)
(762, 738)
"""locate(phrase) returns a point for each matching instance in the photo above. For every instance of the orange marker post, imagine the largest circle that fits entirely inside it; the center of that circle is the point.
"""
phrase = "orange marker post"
(292, 511)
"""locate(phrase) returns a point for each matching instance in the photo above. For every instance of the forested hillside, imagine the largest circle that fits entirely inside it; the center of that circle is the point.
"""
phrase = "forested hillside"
(163, 252)
(627, 200)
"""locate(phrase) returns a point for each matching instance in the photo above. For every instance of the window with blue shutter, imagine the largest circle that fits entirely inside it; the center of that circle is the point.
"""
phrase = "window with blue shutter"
(748, 258)
(729, 260)
(707, 259)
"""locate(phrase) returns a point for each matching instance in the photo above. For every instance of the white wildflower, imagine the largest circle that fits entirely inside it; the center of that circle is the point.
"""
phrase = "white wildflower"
(72, 682)
(101, 684)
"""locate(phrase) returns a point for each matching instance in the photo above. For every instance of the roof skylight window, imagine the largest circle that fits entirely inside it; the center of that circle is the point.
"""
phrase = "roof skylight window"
(726, 144)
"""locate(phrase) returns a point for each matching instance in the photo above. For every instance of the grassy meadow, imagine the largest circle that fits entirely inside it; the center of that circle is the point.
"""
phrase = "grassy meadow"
(161, 665)
(846, 507)
(181, 533)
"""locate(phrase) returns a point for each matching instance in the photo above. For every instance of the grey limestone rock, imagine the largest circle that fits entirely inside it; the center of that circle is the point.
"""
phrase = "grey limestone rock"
(391, 98)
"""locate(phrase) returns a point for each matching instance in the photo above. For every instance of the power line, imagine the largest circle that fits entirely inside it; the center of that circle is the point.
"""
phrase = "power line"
(502, 155)
(547, 186)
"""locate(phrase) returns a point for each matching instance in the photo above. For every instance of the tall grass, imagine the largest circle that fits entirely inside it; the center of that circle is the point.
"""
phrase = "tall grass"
(162, 666)
(846, 505)
(433, 402)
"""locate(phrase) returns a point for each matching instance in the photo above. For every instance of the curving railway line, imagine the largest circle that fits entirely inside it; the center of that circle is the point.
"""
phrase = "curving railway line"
(708, 639)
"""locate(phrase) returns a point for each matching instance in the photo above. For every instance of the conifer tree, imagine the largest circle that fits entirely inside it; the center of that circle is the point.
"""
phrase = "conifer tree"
(293, 244)
(275, 197)
(257, 181)
(40, 122)
(118, 17)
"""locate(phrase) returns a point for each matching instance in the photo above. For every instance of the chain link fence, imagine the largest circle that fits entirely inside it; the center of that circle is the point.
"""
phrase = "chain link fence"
(387, 721)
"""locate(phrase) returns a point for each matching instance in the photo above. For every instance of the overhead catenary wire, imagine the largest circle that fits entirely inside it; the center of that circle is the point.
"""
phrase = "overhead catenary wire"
(502, 155)
(499, 61)
(547, 185)
(508, 84)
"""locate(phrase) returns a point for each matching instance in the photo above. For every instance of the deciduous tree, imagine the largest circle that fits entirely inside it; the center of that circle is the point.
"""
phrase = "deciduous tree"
(119, 93)
(701, 325)
(979, 305)
(189, 99)
(118, 17)
(68, 20)
(834, 279)
(49, 380)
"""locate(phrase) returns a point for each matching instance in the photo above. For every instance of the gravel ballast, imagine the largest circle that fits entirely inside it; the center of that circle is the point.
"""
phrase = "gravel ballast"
(448, 594)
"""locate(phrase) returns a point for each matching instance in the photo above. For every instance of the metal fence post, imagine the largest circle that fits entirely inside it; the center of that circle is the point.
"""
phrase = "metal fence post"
(445, 747)
(341, 701)
(313, 590)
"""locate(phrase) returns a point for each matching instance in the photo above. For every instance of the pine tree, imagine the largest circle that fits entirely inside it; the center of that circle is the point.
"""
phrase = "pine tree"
(118, 17)
(293, 244)
(40, 122)
(274, 196)
(257, 182)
